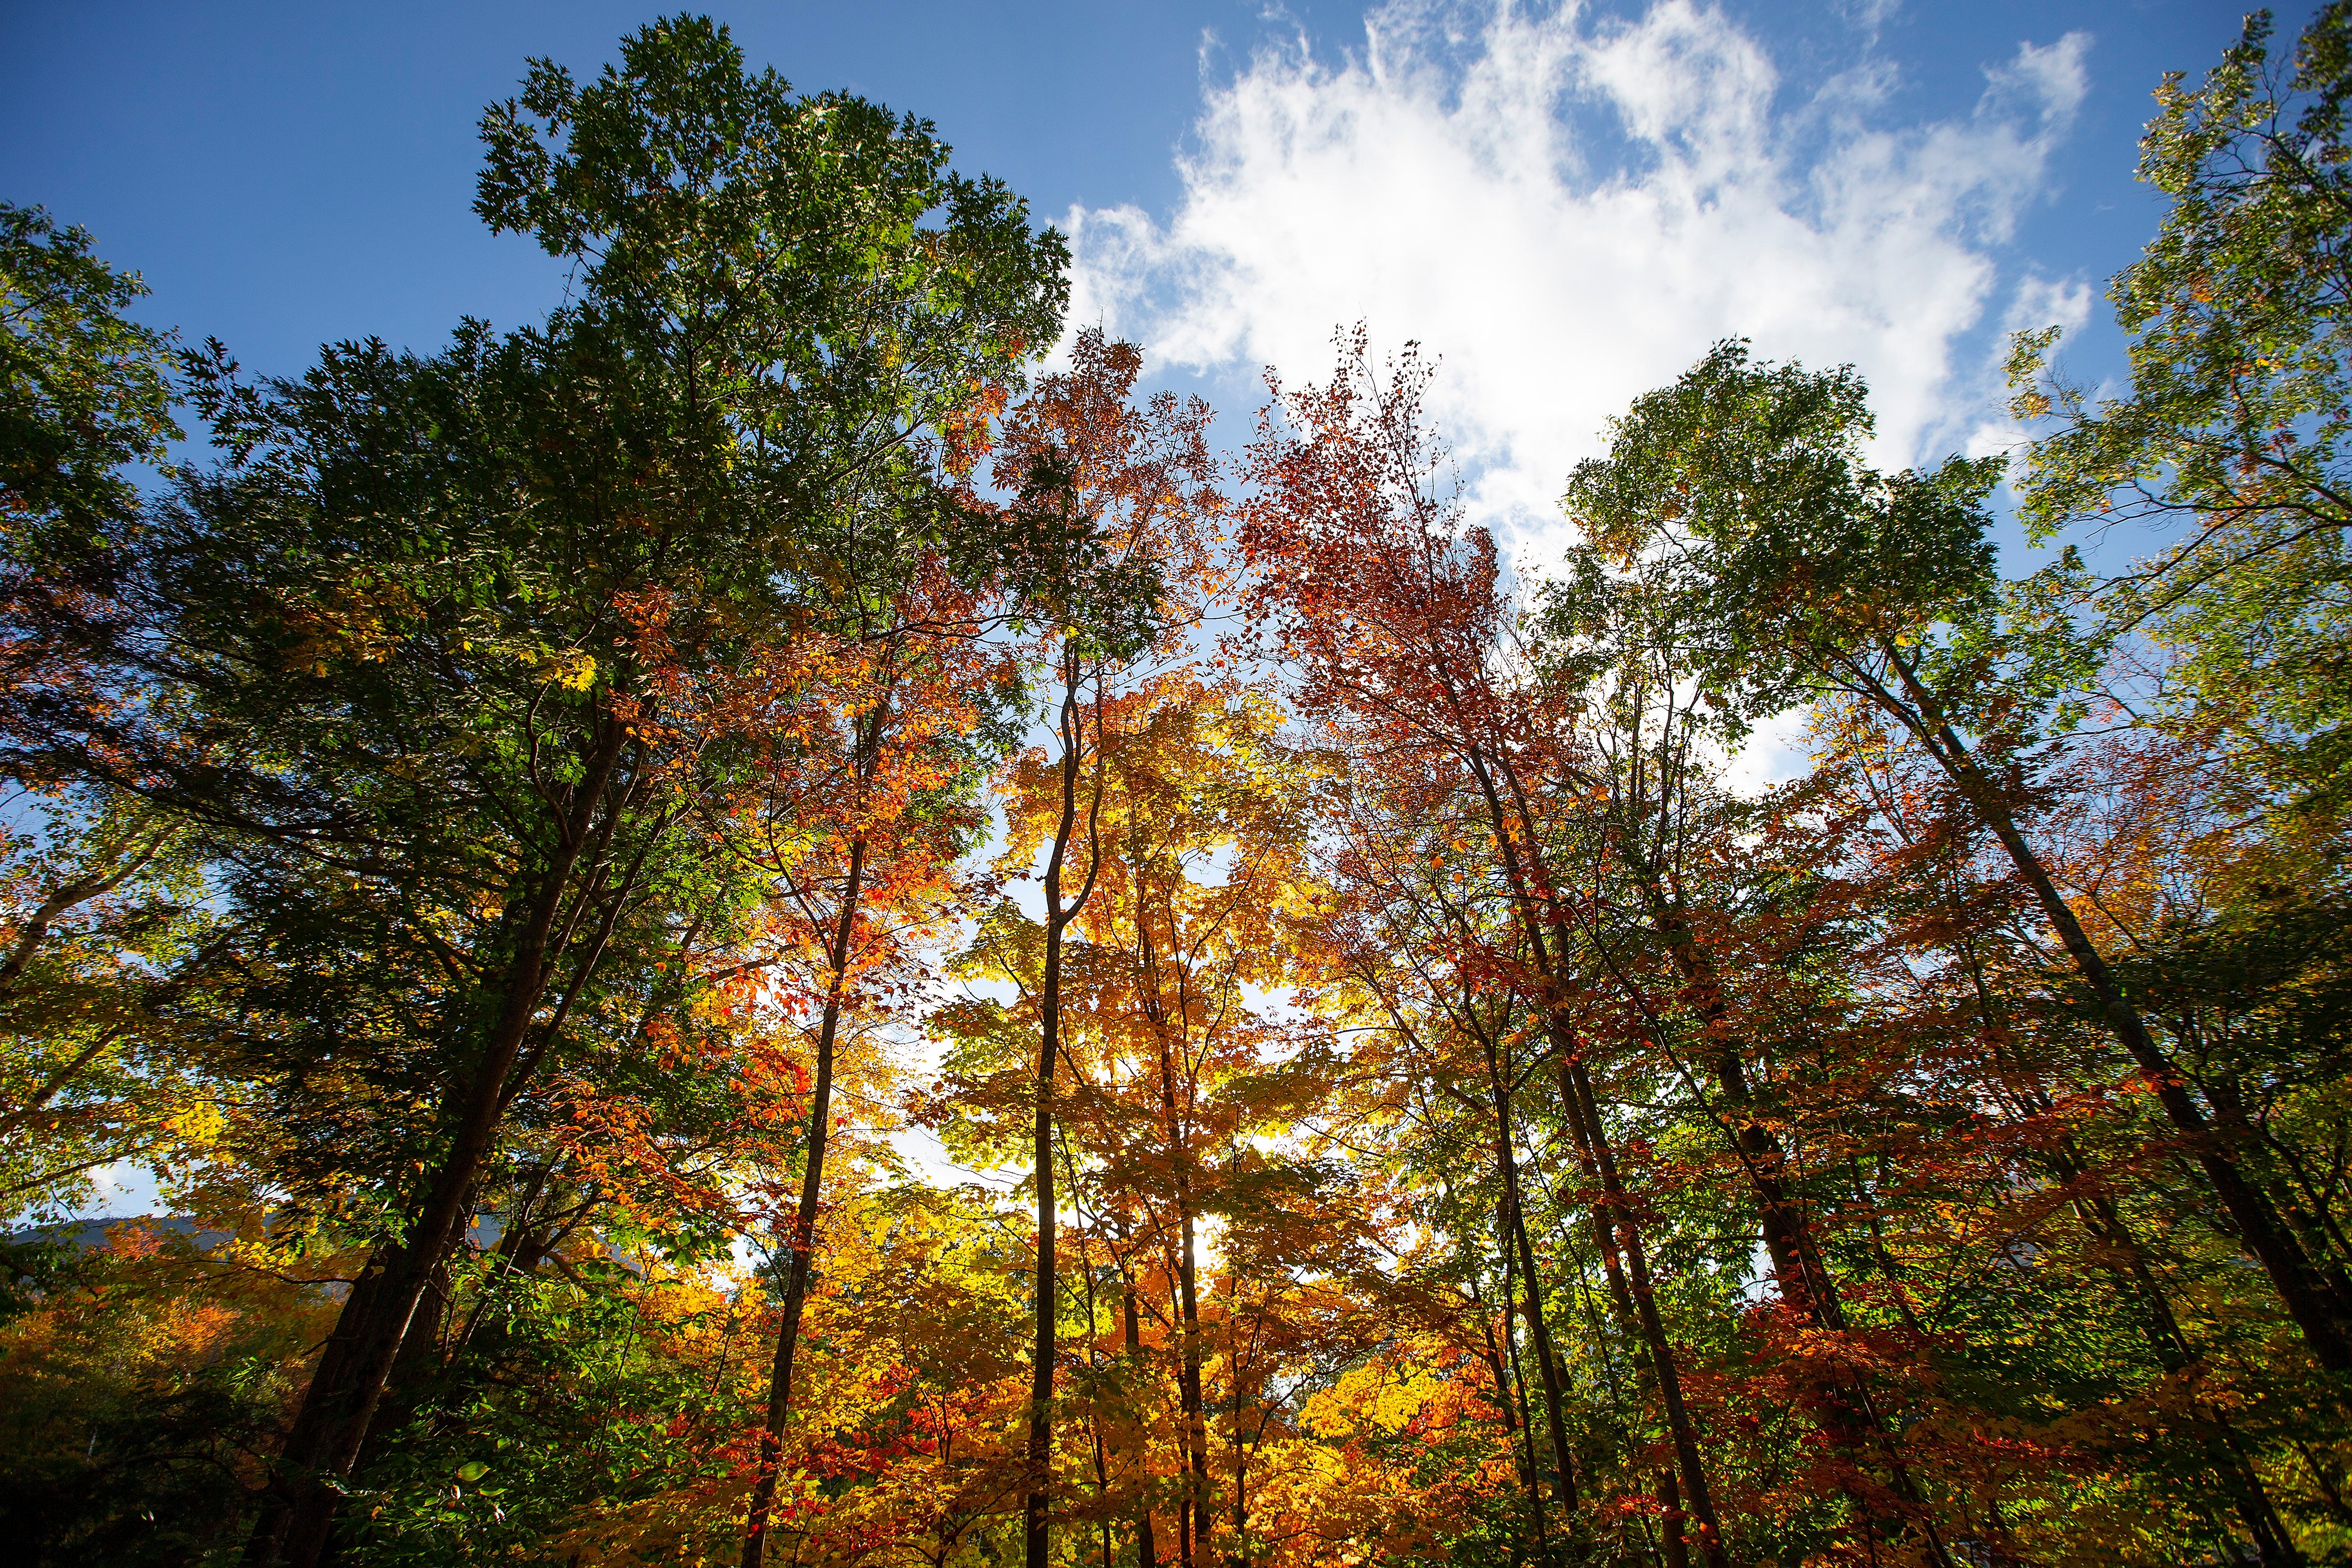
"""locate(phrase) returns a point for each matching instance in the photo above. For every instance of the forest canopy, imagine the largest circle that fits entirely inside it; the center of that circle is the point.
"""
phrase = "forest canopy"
(784, 918)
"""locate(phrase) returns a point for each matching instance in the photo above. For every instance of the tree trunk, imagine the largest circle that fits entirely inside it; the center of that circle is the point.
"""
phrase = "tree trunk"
(2273, 1546)
(1849, 1417)
(1675, 1550)
(1035, 1537)
(1507, 1397)
(2321, 1313)
(1194, 1518)
(1196, 1422)
(1698, 1503)
(1530, 1472)
(1532, 897)
(1514, 1234)
(342, 1398)
(803, 1240)
(1147, 1554)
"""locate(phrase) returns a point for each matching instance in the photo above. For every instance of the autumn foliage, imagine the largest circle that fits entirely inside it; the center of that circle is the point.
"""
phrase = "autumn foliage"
(774, 921)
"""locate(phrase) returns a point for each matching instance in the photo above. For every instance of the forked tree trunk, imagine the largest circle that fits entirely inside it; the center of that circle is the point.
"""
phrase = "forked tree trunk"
(1849, 1417)
(1530, 1472)
(1592, 1137)
(1509, 1399)
(1034, 1535)
(1532, 897)
(1515, 1235)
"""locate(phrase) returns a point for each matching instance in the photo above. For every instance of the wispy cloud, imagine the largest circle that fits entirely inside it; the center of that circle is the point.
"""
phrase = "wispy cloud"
(1570, 209)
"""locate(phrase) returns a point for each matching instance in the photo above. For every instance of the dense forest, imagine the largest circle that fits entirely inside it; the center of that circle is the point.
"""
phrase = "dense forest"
(784, 919)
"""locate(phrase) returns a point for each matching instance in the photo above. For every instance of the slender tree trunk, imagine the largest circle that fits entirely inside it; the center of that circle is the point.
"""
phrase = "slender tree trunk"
(1698, 1503)
(1034, 1539)
(411, 1371)
(1534, 898)
(1195, 1516)
(2321, 1313)
(342, 1398)
(1184, 1458)
(802, 1242)
(1546, 1366)
(1515, 1235)
(1848, 1415)
(1147, 1554)
(1629, 1321)
(1196, 1421)
(1034, 1535)
(2239, 1479)
(1240, 1552)
(1530, 1472)
(1492, 1351)
(1675, 1550)
(1094, 1362)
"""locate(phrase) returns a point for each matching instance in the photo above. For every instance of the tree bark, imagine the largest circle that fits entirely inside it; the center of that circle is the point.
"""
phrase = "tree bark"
(342, 1398)
(1530, 885)
(1698, 1502)
(802, 1241)
(2106, 1226)
(1147, 1554)
(1515, 1235)
(2321, 1313)
(1035, 1535)
(1196, 1423)
(1193, 1517)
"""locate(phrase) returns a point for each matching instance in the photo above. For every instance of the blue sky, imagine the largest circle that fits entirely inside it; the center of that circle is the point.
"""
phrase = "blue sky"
(1565, 202)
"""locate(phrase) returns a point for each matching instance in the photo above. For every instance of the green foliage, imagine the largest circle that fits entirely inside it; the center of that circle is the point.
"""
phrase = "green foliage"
(1741, 495)
(84, 391)
(109, 948)
(843, 304)
(561, 1397)
(2229, 445)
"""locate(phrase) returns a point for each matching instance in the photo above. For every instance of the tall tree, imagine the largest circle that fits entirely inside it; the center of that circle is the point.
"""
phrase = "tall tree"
(1138, 482)
(855, 833)
(455, 635)
(2229, 445)
(100, 925)
(1812, 571)
(1392, 614)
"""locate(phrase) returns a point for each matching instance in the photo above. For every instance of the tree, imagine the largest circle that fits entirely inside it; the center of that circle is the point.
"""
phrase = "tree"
(447, 642)
(2228, 445)
(100, 932)
(1391, 612)
(85, 392)
(858, 836)
(1811, 572)
(1135, 485)
(107, 950)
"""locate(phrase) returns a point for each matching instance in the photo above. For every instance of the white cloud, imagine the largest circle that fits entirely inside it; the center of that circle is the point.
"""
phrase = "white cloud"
(1569, 210)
